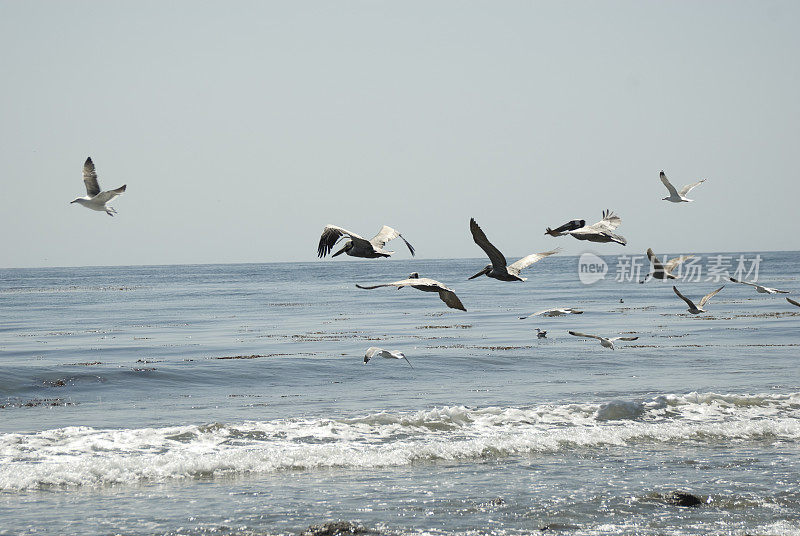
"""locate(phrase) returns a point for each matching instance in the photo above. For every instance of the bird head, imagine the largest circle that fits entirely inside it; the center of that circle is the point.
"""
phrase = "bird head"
(78, 200)
(366, 359)
(482, 272)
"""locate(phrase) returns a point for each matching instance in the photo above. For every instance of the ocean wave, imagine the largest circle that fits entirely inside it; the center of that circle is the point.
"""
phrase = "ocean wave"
(83, 456)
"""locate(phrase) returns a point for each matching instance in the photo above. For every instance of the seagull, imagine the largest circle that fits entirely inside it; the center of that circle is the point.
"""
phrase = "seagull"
(793, 302)
(498, 268)
(569, 226)
(358, 246)
(760, 288)
(605, 342)
(94, 198)
(600, 231)
(426, 285)
(553, 312)
(373, 351)
(696, 309)
(541, 334)
(674, 195)
(663, 271)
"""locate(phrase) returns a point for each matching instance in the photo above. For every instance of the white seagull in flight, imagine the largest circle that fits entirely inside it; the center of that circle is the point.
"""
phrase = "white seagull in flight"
(426, 285)
(696, 309)
(374, 351)
(605, 342)
(94, 198)
(674, 195)
(760, 288)
(553, 312)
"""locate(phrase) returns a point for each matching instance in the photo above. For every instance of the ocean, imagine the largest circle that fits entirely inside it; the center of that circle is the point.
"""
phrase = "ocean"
(234, 399)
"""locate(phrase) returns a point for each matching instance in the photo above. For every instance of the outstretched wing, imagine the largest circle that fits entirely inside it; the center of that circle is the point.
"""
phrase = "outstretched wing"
(449, 297)
(622, 338)
(579, 334)
(672, 191)
(793, 302)
(569, 226)
(385, 235)
(743, 282)
(609, 222)
(710, 295)
(108, 195)
(686, 189)
(657, 266)
(331, 234)
(689, 302)
(90, 178)
(524, 262)
(672, 263)
(497, 258)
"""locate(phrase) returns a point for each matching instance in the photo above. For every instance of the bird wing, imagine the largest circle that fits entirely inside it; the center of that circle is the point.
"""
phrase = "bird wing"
(743, 282)
(497, 258)
(90, 178)
(371, 351)
(672, 263)
(622, 338)
(108, 195)
(686, 189)
(331, 234)
(672, 191)
(524, 262)
(689, 302)
(579, 334)
(654, 260)
(385, 235)
(609, 222)
(569, 226)
(793, 302)
(710, 295)
(449, 297)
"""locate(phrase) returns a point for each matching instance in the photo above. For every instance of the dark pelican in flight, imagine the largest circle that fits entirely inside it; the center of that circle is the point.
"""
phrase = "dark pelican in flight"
(426, 285)
(663, 271)
(358, 246)
(499, 269)
(597, 232)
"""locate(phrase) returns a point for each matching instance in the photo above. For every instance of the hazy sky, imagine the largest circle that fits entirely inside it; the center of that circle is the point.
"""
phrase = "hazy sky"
(243, 128)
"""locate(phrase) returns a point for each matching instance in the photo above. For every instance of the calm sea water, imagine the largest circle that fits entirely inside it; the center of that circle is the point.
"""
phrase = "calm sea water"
(233, 399)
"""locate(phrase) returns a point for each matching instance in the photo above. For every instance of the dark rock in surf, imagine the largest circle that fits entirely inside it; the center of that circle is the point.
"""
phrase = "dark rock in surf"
(337, 528)
(679, 498)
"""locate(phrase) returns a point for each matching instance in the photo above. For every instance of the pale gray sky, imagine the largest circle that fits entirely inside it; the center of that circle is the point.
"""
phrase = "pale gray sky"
(242, 128)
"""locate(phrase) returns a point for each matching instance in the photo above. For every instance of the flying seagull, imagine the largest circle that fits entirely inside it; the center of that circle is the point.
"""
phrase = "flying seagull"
(553, 312)
(793, 302)
(760, 288)
(569, 226)
(499, 269)
(374, 351)
(696, 309)
(600, 231)
(605, 342)
(663, 271)
(541, 334)
(426, 285)
(674, 195)
(358, 246)
(94, 198)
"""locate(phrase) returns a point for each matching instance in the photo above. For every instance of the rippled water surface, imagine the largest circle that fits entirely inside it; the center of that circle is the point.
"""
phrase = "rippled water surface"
(233, 399)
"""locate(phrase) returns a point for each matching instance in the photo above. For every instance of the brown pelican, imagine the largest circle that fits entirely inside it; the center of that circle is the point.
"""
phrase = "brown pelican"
(793, 302)
(498, 268)
(760, 288)
(696, 309)
(358, 246)
(94, 198)
(374, 351)
(553, 312)
(426, 285)
(569, 226)
(598, 232)
(663, 271)
(605, 342)
(674, 195)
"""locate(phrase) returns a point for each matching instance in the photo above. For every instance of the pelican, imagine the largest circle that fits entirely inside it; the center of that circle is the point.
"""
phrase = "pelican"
(760, 288)
(541, 334)
(600, 231)
(498, 268)
(793, 302)
(663, 271)
(94, 198)
(605, 342)
(569, 226)
(426, 285)
(674, 195)
(374, 351)
(696, 309)
(553, 312)
(358, 246)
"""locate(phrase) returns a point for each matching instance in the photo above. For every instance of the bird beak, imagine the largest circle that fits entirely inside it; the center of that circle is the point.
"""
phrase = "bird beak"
(484, 271)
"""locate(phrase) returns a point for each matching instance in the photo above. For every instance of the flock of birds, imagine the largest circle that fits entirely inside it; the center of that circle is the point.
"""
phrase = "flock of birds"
(356, 246)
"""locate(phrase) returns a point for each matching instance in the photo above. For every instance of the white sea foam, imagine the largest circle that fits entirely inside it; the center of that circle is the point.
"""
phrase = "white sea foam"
(81, 456)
